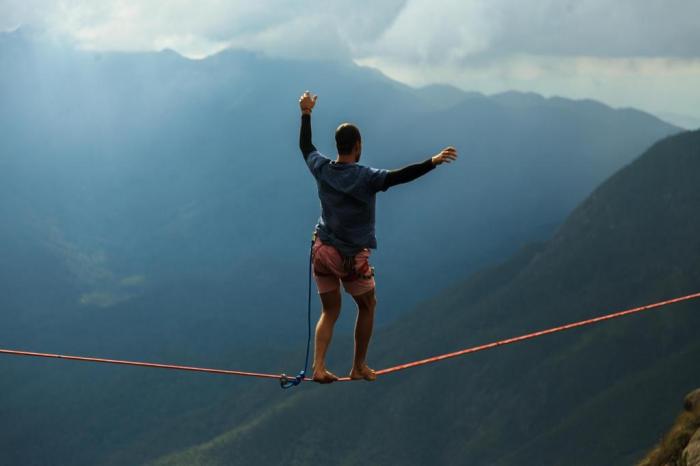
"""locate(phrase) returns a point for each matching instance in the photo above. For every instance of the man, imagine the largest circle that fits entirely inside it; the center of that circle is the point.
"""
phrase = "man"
(345, 233)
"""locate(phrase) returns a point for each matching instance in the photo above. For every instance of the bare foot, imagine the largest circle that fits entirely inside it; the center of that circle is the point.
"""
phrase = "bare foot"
(324, 376)
(363, 372)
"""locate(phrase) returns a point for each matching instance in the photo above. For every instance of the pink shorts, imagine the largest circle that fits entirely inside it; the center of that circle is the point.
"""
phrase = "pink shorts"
(329, 271)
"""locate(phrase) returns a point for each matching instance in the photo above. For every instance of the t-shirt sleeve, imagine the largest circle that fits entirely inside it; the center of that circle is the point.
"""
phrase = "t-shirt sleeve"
(315, 161)
(376, 178)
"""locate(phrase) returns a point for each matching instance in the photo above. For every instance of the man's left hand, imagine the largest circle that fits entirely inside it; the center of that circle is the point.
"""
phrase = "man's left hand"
(307, 102)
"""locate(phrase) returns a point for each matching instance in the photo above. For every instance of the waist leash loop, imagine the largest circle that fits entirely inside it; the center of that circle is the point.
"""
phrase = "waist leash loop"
(285, 380)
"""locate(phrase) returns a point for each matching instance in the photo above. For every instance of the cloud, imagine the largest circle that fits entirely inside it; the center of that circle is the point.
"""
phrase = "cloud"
(550, 46)
(425, 31)
(428, 31)
(483, 30)
(194, 28)
(428, 34)
(600, 28)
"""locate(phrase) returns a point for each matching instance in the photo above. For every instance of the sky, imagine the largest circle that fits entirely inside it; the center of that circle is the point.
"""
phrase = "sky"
(626, 53)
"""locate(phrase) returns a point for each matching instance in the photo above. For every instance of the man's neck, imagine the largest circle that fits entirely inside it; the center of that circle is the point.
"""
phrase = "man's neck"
(345, 158)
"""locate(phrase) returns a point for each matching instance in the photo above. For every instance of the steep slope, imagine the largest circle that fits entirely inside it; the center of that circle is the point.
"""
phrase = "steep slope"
(594, 396)
(681, 445)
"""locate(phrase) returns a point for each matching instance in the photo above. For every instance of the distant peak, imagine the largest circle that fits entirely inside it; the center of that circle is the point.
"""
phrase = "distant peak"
(168, 53)
(443, 96)
(440, 86)
(517, 97)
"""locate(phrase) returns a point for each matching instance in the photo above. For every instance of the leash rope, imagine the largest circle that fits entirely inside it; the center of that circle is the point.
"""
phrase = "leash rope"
(285, 380)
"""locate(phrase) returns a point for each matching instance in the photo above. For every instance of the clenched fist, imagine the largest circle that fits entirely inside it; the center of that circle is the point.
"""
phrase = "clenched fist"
(307, 102)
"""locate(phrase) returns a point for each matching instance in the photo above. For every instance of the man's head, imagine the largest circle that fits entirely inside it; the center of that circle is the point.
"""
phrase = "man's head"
(348, 140)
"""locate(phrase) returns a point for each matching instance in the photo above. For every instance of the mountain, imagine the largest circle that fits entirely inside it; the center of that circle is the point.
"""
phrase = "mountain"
(681, 445)
(156, 208)
(444, 96)
(683, 121)
(135, 170)
(593, 396)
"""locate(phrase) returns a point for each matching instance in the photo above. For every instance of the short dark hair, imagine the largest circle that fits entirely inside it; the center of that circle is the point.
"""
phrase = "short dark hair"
(346, 135)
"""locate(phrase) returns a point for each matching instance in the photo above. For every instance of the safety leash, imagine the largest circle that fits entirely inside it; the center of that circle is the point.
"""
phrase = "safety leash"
(285, 380)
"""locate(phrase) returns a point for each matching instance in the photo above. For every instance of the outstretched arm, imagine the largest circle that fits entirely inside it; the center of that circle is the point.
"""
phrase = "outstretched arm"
(411, 172)
(306, 103)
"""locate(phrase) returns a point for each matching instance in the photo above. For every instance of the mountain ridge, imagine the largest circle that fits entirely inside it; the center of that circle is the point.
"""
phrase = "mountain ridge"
(137, 192)
(630, 350)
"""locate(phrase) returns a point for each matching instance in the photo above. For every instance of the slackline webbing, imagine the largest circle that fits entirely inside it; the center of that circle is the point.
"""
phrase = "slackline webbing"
(388, 370)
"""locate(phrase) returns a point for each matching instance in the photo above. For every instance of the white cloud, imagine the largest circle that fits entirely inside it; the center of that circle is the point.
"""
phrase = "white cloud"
(197, 28)
(628, 52)
(623, 28)
(473, 31)
(427, 31)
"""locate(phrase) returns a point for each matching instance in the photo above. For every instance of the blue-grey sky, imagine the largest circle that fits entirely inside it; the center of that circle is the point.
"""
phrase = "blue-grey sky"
(640, 53)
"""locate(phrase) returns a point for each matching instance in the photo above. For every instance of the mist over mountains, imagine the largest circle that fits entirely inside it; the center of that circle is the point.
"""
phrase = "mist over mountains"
(158, 208)
(134, 170)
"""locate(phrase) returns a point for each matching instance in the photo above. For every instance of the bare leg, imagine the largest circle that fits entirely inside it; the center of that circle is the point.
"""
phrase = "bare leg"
(324, 332)
(366, 303)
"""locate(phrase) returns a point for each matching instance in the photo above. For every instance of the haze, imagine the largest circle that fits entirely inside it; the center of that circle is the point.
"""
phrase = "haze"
(641, 54)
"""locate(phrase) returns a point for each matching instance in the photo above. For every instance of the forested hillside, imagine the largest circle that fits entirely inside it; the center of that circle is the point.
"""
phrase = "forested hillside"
(593, 396)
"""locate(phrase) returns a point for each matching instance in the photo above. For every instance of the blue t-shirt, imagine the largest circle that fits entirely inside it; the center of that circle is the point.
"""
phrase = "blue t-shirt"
(347, 192)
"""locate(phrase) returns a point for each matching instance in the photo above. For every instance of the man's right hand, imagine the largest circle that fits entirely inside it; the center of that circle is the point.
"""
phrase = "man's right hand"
(307, 102)
(448, 154)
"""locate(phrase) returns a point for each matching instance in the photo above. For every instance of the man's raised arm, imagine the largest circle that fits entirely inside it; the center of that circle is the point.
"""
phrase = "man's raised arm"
(411, 172)
(306, 104)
